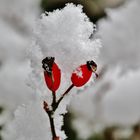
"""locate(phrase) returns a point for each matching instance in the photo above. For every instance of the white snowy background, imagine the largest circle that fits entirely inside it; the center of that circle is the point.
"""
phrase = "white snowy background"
(120, 55)
(114, 99)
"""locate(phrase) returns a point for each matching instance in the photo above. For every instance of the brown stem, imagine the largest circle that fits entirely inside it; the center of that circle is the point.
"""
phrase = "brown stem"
(65, 93)
(54, 100)
(52, 124)
(50, 112)
(50, 115)
(56, 138)
(54, 97)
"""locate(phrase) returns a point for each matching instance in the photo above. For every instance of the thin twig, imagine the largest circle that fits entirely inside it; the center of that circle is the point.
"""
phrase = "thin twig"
(54, 97)
(54, 105)
(50, 115)
(65, 93)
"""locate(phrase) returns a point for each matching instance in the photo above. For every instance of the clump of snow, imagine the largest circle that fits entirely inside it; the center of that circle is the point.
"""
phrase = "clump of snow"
(78, 72)
(65, 34)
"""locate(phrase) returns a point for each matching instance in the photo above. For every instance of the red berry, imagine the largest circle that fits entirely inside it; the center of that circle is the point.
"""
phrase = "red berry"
(81, 76)
(53, 80)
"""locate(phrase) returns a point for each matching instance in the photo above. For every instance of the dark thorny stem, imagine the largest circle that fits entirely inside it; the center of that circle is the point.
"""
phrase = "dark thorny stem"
(54, 100)
(50, 115)
(52, 124)
(54, 106)
(50, 112)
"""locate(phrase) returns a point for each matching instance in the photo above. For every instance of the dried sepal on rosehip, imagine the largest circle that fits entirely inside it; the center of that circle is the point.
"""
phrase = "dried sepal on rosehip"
(83, 73)
(52, 73)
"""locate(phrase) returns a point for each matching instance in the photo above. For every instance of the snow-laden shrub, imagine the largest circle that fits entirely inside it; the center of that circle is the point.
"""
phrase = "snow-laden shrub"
(66, 35)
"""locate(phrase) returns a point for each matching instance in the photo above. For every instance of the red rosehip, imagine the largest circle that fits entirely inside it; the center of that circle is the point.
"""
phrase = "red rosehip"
(81, 76)
(83, 73)
(52, 73)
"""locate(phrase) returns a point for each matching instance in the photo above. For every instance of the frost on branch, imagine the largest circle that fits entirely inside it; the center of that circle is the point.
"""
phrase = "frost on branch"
(66, 35)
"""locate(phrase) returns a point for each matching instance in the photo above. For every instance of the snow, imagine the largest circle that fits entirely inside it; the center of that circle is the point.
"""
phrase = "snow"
(67, 41)
(79, 72)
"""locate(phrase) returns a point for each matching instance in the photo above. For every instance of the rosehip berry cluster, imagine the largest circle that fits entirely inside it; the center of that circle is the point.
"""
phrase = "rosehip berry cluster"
(79, 77)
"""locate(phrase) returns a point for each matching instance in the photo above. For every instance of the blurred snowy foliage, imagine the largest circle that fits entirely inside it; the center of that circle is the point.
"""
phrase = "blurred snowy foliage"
(120, 33)
(16, 22)
(19, 14)
(119, 105)
(88, 111)
(66, 35)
